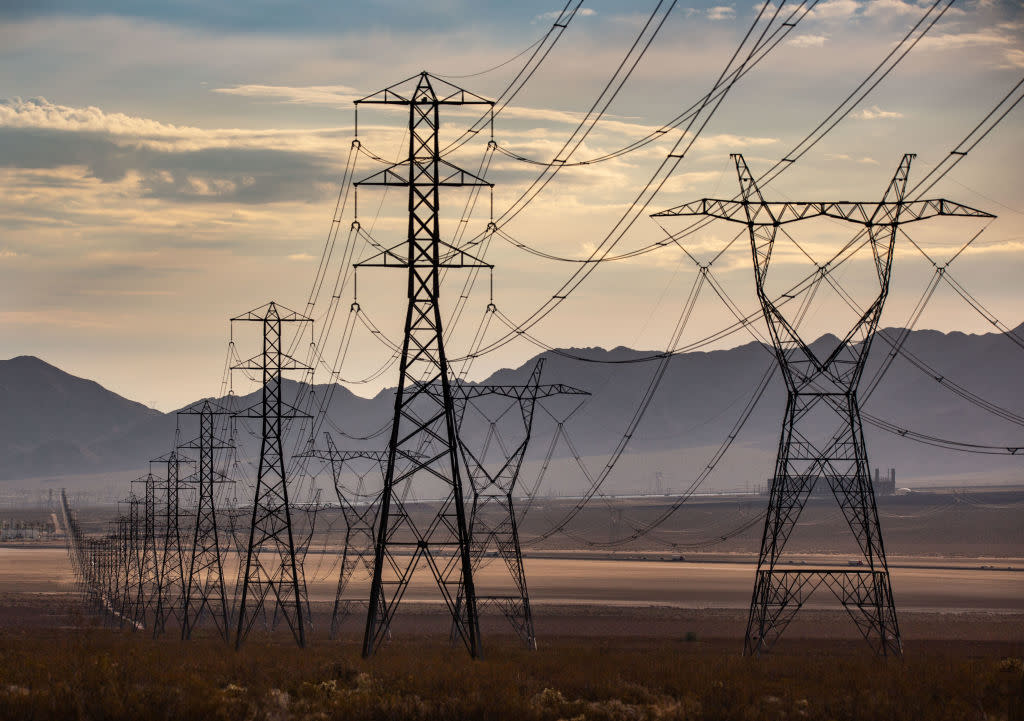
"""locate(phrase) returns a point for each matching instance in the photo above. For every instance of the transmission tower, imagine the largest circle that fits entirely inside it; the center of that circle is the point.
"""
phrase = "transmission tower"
(817, 390)
(149, 560)
(170, 594)
(271, 565)
(122, 569)
(359, 513)
(204, 586)
(423, 434)
(493, 527)
(130, 564)
(303, 528)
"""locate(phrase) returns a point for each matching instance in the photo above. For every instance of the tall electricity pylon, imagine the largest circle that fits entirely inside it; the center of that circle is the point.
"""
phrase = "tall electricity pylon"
(130, 603)
(204, 586)
(124, 562)
(170, 593)
(817, 390)
(359, 511)
(271, 565)
(423, 435)
(493, 526)
(149, 558)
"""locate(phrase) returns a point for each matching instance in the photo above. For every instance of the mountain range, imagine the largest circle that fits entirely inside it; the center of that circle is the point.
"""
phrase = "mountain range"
(58, 429)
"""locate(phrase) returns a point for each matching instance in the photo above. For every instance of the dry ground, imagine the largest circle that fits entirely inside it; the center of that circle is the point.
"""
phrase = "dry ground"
(624, 635)
(646, 671)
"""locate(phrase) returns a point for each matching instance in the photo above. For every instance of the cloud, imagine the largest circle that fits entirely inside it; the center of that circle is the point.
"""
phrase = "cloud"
(330, 95)
(554, 14)
(721, 12)
(834, 10)
(1013, 58)
(127, 293)
(128, 130)
(808, 41)
(342, 96)
(62, 318)
(876, 113)
(1004, 39)
(41, 113)
(952, 41)
(171, 162)
(727, 141)
(877, 8)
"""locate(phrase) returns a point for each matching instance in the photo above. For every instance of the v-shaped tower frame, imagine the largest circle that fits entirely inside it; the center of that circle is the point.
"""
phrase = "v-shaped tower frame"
(805, 454)
(493, 525)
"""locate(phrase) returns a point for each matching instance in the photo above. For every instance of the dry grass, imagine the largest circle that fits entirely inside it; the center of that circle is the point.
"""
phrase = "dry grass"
(102, 674)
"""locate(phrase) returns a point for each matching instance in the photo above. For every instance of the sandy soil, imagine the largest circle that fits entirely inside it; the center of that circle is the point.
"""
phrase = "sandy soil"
(919, 585)
(612, 598)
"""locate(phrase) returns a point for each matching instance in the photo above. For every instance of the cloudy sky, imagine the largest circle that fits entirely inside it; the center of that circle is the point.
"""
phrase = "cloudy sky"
(167, 165)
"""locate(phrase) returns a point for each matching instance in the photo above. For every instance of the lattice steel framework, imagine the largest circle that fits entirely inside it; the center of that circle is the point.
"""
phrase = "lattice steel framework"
(304, 517)
(204, 584)
(130, 564)
(145, 593)
(423, 435)
(271, 564)
(359, 511)
(170, 591)
(807, 453)
(493, 527)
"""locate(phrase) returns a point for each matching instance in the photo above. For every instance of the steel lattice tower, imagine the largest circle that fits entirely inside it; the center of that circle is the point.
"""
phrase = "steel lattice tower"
(271, 565)
(360, 517)
(122, 569)
(149, 556)
(493, 526)
(423, 435)
(204, 585)
(807, 451)
(130, 564)
(170, 594)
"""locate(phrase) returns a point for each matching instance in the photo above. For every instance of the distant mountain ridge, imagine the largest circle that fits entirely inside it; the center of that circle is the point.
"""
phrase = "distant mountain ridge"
(54, 424)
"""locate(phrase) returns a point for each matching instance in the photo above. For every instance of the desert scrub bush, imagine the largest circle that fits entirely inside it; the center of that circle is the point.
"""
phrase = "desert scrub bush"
(112, 676)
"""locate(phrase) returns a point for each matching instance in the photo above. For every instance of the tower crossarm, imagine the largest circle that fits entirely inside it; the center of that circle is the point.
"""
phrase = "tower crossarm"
(411, 91)
(256, 364)
(781, 213)
(197, 443)
(448, 176)
(468, 392)
(272, 310)
(343, 456)
(288, 411)
(448, 257)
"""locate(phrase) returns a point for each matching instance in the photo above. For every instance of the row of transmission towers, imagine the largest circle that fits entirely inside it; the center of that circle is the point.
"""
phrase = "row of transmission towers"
(129, 572)
(162, 561)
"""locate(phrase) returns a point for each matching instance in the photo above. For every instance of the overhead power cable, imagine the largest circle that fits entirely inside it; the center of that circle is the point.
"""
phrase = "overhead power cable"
(603, 251)
(499, 66)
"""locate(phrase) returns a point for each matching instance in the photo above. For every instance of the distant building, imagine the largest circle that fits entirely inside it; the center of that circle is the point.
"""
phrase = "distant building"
(883, 486)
